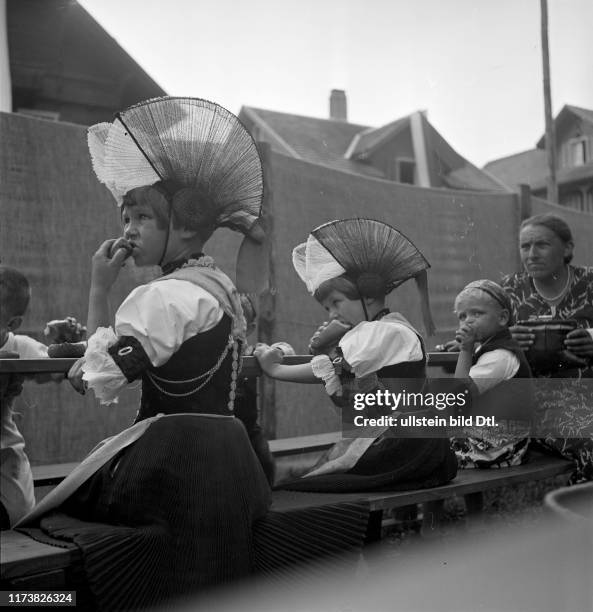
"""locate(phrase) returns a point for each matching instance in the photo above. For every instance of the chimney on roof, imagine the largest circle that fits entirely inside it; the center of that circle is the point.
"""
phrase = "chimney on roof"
(338, 108)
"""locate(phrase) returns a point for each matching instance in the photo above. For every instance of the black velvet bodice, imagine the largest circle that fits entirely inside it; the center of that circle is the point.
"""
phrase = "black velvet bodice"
(195, 357)
(504, 340)
(408, 376)
(509, 399)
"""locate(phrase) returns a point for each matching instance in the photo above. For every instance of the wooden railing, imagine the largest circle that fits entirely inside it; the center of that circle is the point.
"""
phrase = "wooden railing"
(250, 364)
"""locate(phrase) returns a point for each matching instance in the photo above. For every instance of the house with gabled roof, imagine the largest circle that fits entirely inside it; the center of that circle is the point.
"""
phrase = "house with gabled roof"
(407, 150)
(64, 66)
(574, 157)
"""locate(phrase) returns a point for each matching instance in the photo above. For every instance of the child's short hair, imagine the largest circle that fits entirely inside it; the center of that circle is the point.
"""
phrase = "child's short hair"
(15, 292)
(340, 283)
(181, 207)
(370, 286)
(496, 293)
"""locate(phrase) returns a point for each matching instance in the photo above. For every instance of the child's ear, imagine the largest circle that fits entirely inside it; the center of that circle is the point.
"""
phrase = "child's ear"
(504, 317)
(14, 323)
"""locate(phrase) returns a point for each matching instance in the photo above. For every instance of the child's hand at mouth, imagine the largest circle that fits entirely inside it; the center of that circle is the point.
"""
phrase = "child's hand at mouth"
(466, 336)
(121, 243)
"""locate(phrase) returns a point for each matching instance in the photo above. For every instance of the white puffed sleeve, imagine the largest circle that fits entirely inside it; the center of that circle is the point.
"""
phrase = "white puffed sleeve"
(164, 314)
(161, 316)
(373, 345)
(492, 368)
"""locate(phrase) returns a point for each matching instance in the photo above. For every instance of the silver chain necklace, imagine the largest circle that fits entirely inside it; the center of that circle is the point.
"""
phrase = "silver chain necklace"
(556, 297)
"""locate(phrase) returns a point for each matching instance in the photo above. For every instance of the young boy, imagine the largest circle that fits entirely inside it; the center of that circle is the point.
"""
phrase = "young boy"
(349, 266)
(489, 357)
(16, 486)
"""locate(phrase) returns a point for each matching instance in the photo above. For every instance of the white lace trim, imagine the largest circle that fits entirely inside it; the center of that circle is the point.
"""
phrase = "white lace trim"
(101, 373)
(323, 368)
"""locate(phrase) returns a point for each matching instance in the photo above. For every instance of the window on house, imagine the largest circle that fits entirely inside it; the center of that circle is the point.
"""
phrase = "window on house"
(405, 171)
(577, 151)
(573, 199)
(589, 201)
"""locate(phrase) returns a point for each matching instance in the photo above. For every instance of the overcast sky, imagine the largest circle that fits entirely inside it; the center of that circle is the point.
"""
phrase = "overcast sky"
(474, 65)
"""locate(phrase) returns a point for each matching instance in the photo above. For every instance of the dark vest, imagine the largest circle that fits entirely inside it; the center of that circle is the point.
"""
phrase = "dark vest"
(409, 376)
(509, 399)
(196, 356)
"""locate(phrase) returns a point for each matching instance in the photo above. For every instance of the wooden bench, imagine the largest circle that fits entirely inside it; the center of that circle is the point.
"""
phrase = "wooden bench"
(470, 484)
(26, 563)
(52, 474)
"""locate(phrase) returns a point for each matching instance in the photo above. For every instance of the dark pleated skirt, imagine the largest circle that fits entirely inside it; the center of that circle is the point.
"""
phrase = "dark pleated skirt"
(171, 514)
(305, 545)
(392, 464)
(186, 508)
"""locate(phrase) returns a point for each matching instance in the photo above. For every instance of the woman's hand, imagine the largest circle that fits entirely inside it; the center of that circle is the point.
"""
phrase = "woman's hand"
(466, 337)
(523, 335)
(75, 376)
(579, 342)
(107, 263)
(268, 357)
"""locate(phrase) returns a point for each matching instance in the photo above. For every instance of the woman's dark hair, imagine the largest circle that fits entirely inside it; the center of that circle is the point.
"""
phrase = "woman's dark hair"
(555, 224)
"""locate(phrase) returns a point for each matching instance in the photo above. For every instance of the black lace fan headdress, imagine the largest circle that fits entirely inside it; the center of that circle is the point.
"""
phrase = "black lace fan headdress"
(198, 151)
(373, 255)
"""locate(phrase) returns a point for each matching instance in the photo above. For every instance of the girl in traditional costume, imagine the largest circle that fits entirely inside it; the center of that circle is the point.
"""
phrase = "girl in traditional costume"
(168, 505)
(349, 266)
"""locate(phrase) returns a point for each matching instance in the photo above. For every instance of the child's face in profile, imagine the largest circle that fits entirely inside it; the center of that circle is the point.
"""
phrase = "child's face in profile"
(141, 229)
(481, 313)
(342, 308)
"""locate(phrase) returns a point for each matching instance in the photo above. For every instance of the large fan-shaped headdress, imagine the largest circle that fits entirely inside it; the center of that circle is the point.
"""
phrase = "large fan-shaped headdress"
(189, 144)
(376, 257)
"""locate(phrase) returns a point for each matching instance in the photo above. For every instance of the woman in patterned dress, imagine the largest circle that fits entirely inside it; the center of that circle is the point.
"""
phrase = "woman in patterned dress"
(551, 287)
